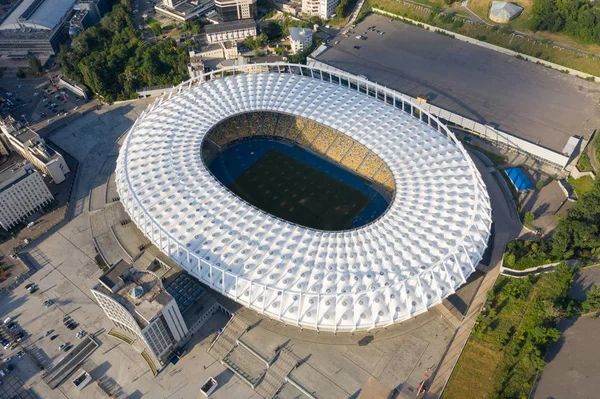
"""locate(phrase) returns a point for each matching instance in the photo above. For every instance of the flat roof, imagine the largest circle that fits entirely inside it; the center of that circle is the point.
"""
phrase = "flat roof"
(10, 171)
(229, 26)
(300, 33)
(537, 104)
(44, 14)
(112, 277)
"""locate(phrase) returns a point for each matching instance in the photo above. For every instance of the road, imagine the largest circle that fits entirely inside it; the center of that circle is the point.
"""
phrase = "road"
(538, 104)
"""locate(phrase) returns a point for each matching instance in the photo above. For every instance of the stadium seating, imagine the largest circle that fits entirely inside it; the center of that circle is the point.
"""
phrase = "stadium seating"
(340, 147)
(355, 156)
(310, 134)
(324, 140)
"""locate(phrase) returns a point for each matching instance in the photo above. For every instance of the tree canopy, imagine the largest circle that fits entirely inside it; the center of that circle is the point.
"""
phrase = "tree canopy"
(578, 18)
(111, 59)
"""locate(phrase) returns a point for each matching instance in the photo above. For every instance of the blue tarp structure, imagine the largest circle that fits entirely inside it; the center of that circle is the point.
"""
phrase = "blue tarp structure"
(518, 179)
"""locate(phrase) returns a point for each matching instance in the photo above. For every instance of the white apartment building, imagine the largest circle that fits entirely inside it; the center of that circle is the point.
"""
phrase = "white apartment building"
(33, 148)
(301, 39)
(323, 9)
(22, 192)
(230, 31)
(138, 304)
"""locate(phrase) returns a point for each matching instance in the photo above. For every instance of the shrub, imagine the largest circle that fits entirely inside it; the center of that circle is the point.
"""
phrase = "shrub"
(528, 218)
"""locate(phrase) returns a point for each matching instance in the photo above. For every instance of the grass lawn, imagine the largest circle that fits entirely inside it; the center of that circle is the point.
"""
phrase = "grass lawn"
(292, 190)
(581, 185)
(507, 346)
(474, 371)
(479, 370)
(584, 164)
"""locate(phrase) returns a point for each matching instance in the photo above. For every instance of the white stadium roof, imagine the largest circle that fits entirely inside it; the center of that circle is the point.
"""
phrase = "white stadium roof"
(418, 252)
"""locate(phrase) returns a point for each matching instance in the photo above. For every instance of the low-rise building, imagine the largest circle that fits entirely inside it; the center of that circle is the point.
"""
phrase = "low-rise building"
(33, 148)
(230, 31)
(22, 192)
(301, 39)
(78, 89)
(137, 303)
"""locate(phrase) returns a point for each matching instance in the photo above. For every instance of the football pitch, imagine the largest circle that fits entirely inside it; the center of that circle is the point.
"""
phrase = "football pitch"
(292, 190)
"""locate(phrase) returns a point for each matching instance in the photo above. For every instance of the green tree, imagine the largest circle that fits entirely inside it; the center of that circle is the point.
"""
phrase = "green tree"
(36, 65)
(20, 73)
(528, 218)
(592, 300)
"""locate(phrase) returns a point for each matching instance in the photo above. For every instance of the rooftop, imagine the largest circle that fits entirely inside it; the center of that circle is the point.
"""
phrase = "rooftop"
(229, 26)
(37, 14)
(300, 33)
(10, 172)
(112, 277)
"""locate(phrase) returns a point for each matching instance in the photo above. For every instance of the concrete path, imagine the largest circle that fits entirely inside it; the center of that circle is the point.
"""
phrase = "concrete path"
(507, 227)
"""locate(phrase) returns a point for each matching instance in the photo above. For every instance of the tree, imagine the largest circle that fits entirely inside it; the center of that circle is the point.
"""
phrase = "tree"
(592, 300)
(528, 218)
(20, 73)
(36, 65)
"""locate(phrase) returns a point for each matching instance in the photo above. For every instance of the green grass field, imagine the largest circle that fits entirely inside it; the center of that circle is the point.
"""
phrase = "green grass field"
(287, 188)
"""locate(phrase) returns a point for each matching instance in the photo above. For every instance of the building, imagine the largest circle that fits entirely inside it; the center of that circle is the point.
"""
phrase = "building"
(35, 27)
(78, 89)
(323, 9)
(22, 192)
(233, 10)
(230, 31)
(292, 7)
(301, 39)
(87, 13)
(137, 303)
(504, 12)
(398, 266)
(217, 51)
(184, 10)
(33, 148)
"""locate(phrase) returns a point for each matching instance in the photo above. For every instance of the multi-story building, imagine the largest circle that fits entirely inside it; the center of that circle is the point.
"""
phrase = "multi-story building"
(184, 10)
(233, 10)
(22, 192)
(87, 13)
(32, 147)
(230, 31)
(323, 9)
(35, 27)
(139, 305)
(301, 39)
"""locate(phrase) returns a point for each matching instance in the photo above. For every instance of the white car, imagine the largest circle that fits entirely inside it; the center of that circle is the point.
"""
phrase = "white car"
(62, 346)
(13, 256)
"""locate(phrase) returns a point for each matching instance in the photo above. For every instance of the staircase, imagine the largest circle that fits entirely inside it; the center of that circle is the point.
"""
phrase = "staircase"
(228, 338)
(275, 376)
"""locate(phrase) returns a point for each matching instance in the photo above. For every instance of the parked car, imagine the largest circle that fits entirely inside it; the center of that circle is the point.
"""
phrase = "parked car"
(8, 359)
(48, 303)
(48, 333)
(52, 338)
(62, 346)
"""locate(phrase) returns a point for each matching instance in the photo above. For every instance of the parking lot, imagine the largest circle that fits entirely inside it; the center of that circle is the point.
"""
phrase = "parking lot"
(37, 100)
(538, 104)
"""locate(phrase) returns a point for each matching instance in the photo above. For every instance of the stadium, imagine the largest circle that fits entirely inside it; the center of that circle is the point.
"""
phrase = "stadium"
(314, 197)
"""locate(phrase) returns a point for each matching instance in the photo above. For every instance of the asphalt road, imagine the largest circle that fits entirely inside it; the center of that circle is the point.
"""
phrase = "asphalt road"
(535, 103)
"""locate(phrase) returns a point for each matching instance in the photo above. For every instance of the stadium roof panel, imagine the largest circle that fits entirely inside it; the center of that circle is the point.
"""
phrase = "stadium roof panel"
(424, 247)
